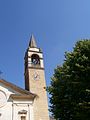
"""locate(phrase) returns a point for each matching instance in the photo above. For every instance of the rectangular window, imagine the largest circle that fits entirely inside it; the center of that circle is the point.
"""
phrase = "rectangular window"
(23, 117)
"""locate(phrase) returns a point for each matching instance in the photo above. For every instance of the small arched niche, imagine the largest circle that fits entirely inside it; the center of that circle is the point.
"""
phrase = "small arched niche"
(35, 60)
(22, 115)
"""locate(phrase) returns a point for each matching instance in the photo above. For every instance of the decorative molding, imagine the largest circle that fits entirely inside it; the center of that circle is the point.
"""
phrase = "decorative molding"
(22, 112)
(35, 51)
(36, 68)
(22, 97)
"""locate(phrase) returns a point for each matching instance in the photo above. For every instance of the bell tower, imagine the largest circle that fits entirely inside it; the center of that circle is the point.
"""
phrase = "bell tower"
(35, 79)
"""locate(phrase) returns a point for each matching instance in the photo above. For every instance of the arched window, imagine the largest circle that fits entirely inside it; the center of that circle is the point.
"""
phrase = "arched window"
(35, 60)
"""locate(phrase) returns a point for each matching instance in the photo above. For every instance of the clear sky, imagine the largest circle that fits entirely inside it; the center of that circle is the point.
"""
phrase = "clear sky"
(56, 25)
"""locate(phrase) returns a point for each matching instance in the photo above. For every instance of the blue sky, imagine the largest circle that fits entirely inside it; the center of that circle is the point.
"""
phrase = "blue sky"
(56, 25)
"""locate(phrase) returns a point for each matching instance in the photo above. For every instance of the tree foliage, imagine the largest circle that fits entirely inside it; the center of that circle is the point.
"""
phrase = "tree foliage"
(70, 85)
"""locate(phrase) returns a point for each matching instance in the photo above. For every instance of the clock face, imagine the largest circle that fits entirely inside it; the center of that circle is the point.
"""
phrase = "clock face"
(36, 76)
(3, 99)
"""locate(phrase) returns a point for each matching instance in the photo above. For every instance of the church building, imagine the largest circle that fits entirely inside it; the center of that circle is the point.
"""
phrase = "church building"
(29, 103)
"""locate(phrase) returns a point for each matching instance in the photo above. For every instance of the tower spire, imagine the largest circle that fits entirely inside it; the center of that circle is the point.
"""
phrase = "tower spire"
(32, 43)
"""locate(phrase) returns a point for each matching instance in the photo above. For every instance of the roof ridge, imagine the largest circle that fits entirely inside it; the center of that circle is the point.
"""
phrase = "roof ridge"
(15, 87)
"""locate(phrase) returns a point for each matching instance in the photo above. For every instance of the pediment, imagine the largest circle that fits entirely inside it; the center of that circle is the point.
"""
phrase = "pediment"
(14, 91)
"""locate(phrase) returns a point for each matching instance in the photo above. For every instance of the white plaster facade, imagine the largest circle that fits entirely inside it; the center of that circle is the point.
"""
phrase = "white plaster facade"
(15, 103)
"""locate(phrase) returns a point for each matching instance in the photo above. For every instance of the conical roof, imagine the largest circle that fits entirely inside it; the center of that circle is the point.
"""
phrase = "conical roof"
(32, 43)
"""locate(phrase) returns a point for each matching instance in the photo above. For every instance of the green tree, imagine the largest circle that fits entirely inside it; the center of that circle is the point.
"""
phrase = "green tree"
(70, 85)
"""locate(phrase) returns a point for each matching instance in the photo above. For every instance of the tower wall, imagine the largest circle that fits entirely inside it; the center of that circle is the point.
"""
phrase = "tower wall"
(38, 87)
